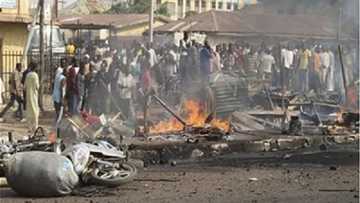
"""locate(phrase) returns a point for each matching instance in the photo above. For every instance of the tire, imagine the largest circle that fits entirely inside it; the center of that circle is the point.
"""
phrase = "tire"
(117, 181)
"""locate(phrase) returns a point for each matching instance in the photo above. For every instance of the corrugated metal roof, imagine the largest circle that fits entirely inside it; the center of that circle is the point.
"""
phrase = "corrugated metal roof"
(256, 24)
(97, 21)
(102, 20)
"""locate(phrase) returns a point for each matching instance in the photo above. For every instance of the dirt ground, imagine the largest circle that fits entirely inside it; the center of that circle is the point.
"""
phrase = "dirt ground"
(325, 177)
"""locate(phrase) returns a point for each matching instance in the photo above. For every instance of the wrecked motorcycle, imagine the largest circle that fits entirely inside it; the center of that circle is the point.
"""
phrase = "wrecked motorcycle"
(95, 158)
(100, 163)
(37, 142)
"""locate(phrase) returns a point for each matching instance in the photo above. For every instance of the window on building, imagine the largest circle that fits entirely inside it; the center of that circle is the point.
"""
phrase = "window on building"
(196, 3)
(187, 3)
(220, 4)
(228, 5)
(180, 2)
(203, 3)
(213, 4)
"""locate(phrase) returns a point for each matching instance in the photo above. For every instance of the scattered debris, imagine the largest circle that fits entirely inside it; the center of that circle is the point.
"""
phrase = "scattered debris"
(196, 153)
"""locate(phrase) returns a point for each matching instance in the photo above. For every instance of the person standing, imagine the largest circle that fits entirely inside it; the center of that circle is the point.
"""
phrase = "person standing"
(252, 61)
(58, 94)
(80, 82)
(325, 66)
(72, 92)
(216, 61)
(153, 59)
(314, 73)
(145, 76)
(32, 93)
(287, 56)
(205, 58)
(70, 48)
(113, 73)
(230, 60)
(60, 69)
(267, 62)
(304, 59)
(90, 89)
(183, 60)
(15, 93)
(23, 83)
(126, 85)
(102, 89)
(192, 69)
(169, 70)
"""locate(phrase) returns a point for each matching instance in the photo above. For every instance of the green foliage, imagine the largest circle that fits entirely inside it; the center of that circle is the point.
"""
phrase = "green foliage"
(190, 13)
(139, 6)
(162, 10)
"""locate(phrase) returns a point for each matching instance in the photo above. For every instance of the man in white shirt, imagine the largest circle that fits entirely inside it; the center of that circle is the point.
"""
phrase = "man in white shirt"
(153, 60)
(325, 66)
(126, 84)
(287, 58)
(266, 63)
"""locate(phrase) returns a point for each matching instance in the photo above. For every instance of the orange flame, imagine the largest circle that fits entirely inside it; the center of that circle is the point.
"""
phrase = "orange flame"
(195, 116)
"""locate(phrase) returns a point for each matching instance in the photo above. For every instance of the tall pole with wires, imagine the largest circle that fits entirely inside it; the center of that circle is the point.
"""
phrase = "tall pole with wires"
(151, 21)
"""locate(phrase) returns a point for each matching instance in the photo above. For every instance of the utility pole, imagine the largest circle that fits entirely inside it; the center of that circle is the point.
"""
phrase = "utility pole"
(42, 58)
(56, 8)
(151, 21)
(339, 25)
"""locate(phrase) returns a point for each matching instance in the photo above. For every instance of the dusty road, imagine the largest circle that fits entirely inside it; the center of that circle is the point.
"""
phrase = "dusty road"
(325, 177)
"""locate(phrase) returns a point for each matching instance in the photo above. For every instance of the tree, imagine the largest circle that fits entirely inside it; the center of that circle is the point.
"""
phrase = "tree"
(141, 7)
(162, 10)
(138, 6)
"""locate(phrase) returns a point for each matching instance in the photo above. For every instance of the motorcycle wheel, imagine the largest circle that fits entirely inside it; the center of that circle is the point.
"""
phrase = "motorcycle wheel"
(126, 173)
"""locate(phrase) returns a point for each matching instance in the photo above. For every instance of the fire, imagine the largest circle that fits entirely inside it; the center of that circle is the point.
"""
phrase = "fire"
(194, 116)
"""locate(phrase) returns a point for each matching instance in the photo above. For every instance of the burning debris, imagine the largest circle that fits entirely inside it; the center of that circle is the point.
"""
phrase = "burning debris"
(195, 117)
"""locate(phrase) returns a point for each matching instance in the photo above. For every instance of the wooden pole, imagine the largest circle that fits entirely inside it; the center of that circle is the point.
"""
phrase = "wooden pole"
(42, 57)
(343, 72)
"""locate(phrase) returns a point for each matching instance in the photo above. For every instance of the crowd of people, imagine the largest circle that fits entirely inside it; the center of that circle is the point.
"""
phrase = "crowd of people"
(104, 80)
(24, 89)
(110, 79)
